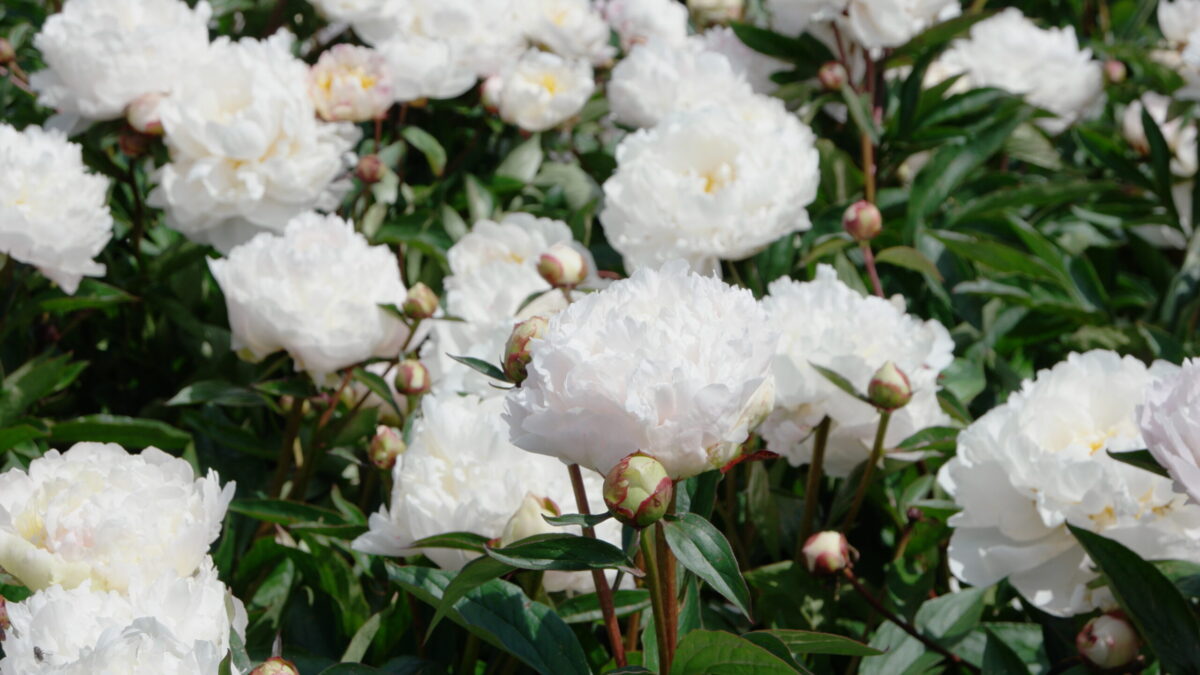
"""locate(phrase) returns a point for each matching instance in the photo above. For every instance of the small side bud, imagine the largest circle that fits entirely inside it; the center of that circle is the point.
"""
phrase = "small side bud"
(276, 666)
(421, 302)
(528, 520)
(1115, 71)
(387, 445)
(826, 553)
(143, 115)
(370, 169)
(863, 221)
(562, 266)
(516, 350)
(889, 389)
(832, 76)
(1108, 641)
(133, 143)
(638, 490)
(412, 378)
(7, 53)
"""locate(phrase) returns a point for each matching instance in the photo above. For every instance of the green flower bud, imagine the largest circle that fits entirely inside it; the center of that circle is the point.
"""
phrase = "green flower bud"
(832, 76)
(7, 53)
(889, 389)
(1108, 641)
(412, 378)
(516, 351)
(826, 553)
(421, 302)
(863, 221)
(276, 666)
(638, 490)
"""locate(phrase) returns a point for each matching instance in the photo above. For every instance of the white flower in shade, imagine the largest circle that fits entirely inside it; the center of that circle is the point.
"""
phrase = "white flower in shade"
(53, 213)
(247, 151)
(875, 24)
(351, 84)
(542, 90)
(98, 512)
(1178, 19)
(667, 362)
(719, 183)
(638, 21)
(1170, 423)
(1179, 133)
(755, 67)
(827, 323)
(793, 17)
(172, 626)
(352, 11)
(315, 292)
(102, 54)
(461, 474)
(659, 78)
(1047, 66)
(572, 29)
(1039, 462)
(422, 67)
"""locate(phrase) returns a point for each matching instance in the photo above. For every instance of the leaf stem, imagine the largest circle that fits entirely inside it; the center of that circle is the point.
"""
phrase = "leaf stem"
(603, 591)
(812, 487)
(869, 471)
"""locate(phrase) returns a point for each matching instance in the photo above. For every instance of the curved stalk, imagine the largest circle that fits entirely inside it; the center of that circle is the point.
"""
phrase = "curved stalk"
(869, 471)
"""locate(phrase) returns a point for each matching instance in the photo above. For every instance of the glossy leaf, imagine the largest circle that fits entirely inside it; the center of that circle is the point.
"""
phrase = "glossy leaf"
(704, 551)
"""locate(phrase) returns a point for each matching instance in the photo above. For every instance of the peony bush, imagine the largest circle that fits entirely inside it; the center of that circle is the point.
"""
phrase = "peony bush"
(485, 337)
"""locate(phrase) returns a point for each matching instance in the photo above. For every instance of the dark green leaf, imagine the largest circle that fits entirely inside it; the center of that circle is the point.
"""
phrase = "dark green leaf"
(463, 541)
(127, 431)
(524, 161)
(909, 258)
(839, 382)
(18, 434)
(1160, 161)
(91, 294)
(285, 513)
(586, 608)
(473, 575)
(709, 652)
(703, 550)
(378, 386)
(936, 36)
(37, 378)
(481, 366)
(589, 520)
(218, 392)
(1000, 659)
(567, 552)
(429, 146)
(809, 642)
(1142, 459)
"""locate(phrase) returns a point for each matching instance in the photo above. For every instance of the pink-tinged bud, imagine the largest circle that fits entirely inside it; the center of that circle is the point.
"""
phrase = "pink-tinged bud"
(1115, 71)
(370, 169)
(528, 521)
(562, 266)
(412, 378)
(143, 115)
(387, 445)
(7, 53)
(832, 76)
(638, 490)
(889, 389)
(1108, 641)
(489, 93)
(276, 666)
(516, 351)
(827, 553)
(421, 302)
(132, 143)
(863, 221)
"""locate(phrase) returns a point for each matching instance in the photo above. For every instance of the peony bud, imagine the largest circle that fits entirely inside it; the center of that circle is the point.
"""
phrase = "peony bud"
(832, 76)
(276, 666)
(1108, 641)
(516, 351)
(387, 445)
(421, 302)
(708, 12)
(370, 169)
(133, 143)
(826, 553)
(1115, 71)
(638, 490)
(863, 221)
(528, 520)
(143, 115)
(889, 389)
(412, 378)
(562, 266)
(7, 53)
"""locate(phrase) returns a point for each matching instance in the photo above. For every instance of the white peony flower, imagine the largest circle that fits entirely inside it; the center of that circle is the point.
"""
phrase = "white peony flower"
(173, 626)
(1039, 462)
(314, 292)
(755, 67)
(351, 84)
(667, 362)
(352, 11)
(461, 474)
(793, 17)
(875, 24)
(422, 67)
(719, 183)
(573, 29)
(101, 55)
(1178, 19)
(1170, 423)
(98, 512)
(542, 90)
(1179, 133)
(247, 152)
(1047, 66)
(827, 323)
(658, 78)
(53, 213)
(638, 21)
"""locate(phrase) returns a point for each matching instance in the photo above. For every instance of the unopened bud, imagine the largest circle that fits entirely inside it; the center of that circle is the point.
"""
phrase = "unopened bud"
(143, 115)
(638, 490)
(1115, 71)
(7, 53)
(412, 378)
(276, 666)
(707, 12)
(516, 350)
(370, 169)
(528, 520)
(863, 221)
(387, 445)
(133, 143)
(1108, 641)
(889, 389)
(421, 302)
(832, 76)
(826, 553)
(489, 93)
(562, 266)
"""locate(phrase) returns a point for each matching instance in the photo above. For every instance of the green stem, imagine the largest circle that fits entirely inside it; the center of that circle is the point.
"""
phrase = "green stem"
(812, 487)
(656, 600)
(470, 655)
(869, 471)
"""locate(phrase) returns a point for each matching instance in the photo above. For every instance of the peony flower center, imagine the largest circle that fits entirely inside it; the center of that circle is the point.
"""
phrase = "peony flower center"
(550, 83)
(718, 179)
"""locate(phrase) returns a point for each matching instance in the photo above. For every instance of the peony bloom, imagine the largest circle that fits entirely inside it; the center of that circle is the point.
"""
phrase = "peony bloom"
(573, 29)
(659, 78)
(827, 323)
(247, 151)
(315, 292)
(1047, 66)
(719, 183)
(1039, 462)
(875, 24)
(755, 67)
(793, 17)
(1170, 422)
(460, 474)
(350, 84)
(98, 512)
(352, 11)
(1178, 19)
(172, 626)
(638, 21)
(53, 213)
(667, 362)
(101, 55)
(1179, 133)
(543, 90)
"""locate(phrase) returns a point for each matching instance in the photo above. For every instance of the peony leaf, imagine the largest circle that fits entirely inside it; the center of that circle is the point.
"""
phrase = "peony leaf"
(588, 520)
(1160, 162)
(1000, 659)
(361, 641)
(811, 642)
(481, 366)
(473, 575)
(561, 551)
(586, 608)
(429, 146)
(710, 652)
(840, 382)
(220, 392)
(703, 550)
(463, 541)
(909, 258)
(378, 386)
(524, 161)
(130, 432)
(1142, 459)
